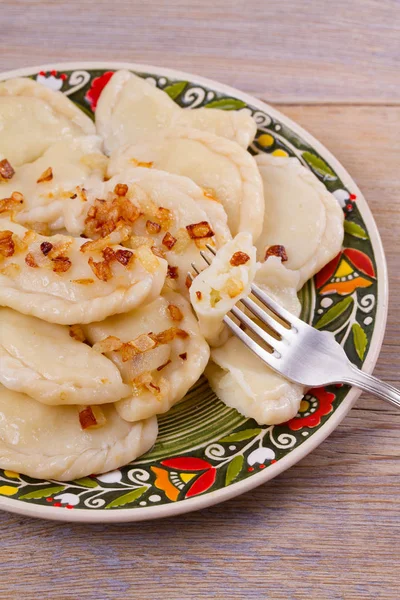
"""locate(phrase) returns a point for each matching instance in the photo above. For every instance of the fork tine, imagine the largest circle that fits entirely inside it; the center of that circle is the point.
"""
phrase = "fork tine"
(272, 360)
(211, 249)
(205, 257)
(264, 317)
(266, 337)
(280, 312)
(195, 269)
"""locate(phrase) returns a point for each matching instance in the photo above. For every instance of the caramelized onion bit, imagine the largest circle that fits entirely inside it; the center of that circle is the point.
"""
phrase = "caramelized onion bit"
(121, 189)
(30, 261)
(7, 244)
(152, 228)
(127, 352)
(141, 163)
(11, 270)
(12, 204)
(233, 287)
(164, 337)
(239, 258)
(124, 257)
(158, 251)
(277, 250)
(199, 295)
(164, 215)
(6, 170)
(168, 240)
(91, 417)
(183, 241)
(76, 332)
(109, 344)
(183, 356)
(188, 282)
(161, 367)
(106, 215)
(175, 312)
(46, 247)
(172, 272)
(47, 175)
(200, 230)
(147, 258)
(137, 240)
(101, 269)
(61, 264)
(84, 281)
(143, 343)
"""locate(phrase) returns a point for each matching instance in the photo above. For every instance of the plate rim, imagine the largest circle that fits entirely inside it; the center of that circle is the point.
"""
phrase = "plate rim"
(241, 487)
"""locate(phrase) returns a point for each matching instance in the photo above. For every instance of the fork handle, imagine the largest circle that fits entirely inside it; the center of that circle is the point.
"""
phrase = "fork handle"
(375, 386)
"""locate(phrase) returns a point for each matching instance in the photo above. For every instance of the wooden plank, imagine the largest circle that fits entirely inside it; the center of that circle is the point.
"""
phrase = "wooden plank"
(282, 51)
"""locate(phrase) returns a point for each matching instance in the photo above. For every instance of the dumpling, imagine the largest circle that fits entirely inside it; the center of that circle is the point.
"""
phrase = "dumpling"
(242, 381)
(221, 285)
(222, 168)
(68, 280)
(43, 361)
(172, 215)
(280, 283)
(300, 214)
(239, 378)
(160, 367)
(48, 442)
(65, 172)
(33, 117)
(130, 110)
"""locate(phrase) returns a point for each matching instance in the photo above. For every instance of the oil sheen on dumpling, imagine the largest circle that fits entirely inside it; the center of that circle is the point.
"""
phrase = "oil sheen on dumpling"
(221, 167)
(167, 369)
(64, 173)
(55, 279)
(43, 360)
(221, 285)
(47, 442)
(131, 110)
(300, 214)
(184, 204)
(33, 117)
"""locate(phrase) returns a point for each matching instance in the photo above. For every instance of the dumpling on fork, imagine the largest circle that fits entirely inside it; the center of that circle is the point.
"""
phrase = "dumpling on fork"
(51, 364)
(300, 215)
(220, 286)
(159, 350)
(68, 280)
(227, 172)
(33, 117)
(131, 110)
(51, 192)
(55, 442)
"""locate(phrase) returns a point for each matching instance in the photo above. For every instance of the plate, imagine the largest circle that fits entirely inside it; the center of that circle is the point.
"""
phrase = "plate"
(206, 452)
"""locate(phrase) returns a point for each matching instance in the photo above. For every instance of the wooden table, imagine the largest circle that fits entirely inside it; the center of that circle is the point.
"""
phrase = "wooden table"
(329, 528)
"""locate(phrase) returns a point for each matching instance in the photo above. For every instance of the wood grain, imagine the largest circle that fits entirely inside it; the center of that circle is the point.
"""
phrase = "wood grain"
(282, 51)
(329, 528)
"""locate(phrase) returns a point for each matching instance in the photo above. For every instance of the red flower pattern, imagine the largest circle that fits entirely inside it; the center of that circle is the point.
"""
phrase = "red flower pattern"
(316, 404)
(98, 84)
(181, 471)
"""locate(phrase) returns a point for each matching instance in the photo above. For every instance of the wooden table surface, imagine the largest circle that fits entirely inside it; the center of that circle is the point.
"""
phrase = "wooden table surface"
(329, 528)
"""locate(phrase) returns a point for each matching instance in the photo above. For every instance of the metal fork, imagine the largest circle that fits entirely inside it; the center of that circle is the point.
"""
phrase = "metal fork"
(297, 351)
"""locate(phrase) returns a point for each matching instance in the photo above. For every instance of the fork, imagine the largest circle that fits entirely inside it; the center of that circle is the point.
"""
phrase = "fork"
(296, 350)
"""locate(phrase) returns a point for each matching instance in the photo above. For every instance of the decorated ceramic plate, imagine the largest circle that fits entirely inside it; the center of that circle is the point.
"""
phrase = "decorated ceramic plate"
(206, 452)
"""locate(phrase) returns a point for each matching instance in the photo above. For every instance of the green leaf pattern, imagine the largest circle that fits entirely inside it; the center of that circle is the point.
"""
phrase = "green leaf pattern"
(334, 312)
(234, 468)
(360, 340)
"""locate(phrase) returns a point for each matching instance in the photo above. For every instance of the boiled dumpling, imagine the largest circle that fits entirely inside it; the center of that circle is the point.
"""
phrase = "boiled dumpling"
(300, 214)
(171, 360)
(65, 172)
(43, 360)
(172, 214)
(33, 117)
(223, 169)
(242, 381)
(130, 110)
(68, 280)
(280, 283)
(221, 285)
(48, 442)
